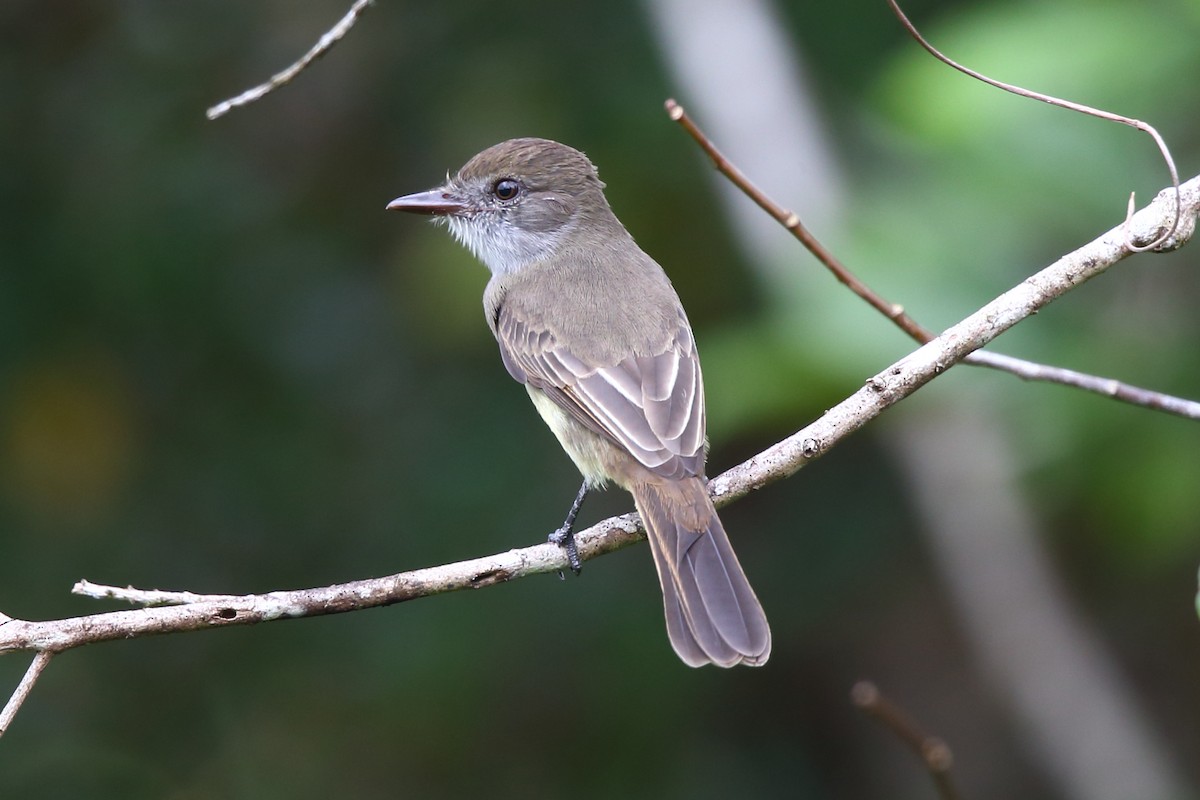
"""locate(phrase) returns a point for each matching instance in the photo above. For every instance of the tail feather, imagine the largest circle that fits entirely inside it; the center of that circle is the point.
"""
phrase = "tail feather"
(678, 629)
(712, 613)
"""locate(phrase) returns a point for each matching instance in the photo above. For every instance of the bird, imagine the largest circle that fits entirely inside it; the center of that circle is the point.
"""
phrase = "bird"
(593, 328)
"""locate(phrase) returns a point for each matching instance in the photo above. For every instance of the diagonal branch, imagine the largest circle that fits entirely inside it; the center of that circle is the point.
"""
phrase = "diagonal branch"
(1183, 222)
(932, 751)
(21, 693)
(323, 46)
(776, 462)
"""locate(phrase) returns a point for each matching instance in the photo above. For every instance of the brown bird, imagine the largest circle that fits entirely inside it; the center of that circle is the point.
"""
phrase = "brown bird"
(592, 327)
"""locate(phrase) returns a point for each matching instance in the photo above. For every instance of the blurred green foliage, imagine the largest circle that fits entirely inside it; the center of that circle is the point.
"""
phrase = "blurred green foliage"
(224, 368)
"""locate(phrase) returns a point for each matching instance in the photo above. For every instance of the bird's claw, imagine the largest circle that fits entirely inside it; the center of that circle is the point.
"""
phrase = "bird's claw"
(564, 537)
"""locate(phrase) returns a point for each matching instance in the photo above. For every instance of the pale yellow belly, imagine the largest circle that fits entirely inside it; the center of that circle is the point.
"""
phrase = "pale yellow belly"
(594, 455)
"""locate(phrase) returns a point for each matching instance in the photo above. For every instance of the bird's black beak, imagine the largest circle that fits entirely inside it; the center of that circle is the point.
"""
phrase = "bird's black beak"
(437, 202)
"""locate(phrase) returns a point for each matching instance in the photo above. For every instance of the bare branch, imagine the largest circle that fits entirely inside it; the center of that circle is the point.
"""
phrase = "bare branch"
(147, 597)
(952, 346)
(791, 221)
(934, 752)
(1156, 242)
(1029, 370)
(776, 462)
(323, 46)
(219, 611)
(23, 689)
(1107, 387)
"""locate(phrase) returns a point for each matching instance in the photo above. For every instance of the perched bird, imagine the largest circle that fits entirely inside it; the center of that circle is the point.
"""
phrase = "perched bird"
(592, 327)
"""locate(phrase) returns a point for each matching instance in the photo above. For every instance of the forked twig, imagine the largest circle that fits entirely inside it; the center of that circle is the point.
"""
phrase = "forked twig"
(1072, 106)
(1027, 370)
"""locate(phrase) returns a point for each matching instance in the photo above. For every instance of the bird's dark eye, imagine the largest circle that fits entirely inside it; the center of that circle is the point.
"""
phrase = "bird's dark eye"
(506, 189)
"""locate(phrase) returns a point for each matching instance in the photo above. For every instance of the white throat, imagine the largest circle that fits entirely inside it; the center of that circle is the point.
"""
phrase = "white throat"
(503, 247)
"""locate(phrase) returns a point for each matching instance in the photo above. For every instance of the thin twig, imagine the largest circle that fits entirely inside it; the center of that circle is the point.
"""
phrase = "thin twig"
(146, 597)
(1072, 106)
(1106, 387)
(23, 689)
(1027, 370)
(934, 752)
(323, 46)
(791, 221)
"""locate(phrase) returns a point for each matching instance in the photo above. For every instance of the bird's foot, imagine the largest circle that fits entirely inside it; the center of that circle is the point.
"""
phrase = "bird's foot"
(564, 537)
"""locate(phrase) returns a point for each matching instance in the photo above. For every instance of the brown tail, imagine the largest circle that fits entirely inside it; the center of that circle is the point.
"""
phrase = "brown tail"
(712, 613)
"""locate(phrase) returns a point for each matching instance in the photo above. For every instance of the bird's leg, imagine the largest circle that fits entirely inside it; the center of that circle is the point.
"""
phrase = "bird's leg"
(564, 537)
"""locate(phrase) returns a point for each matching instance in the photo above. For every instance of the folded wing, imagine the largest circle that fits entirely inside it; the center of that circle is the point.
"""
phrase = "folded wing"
(652, 406)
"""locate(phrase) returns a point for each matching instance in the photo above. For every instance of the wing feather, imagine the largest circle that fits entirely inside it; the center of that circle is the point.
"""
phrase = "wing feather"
(651, 406)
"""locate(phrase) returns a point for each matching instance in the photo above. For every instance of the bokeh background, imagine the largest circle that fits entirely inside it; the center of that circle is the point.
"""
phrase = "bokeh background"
(224, 368)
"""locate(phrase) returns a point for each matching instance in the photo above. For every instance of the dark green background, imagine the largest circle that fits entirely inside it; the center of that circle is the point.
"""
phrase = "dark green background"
(224, 368)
